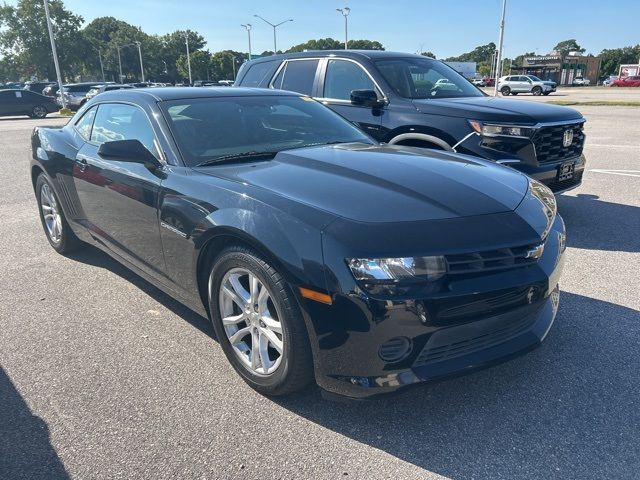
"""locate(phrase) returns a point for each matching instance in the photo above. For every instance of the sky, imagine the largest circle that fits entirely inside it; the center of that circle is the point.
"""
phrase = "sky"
(445, 27)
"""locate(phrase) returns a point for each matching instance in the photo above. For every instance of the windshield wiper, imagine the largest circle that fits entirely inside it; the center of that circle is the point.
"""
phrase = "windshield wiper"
(252, 155)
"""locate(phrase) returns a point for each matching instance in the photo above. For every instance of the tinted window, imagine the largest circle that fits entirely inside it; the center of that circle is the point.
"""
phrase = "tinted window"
(412, 77)
(79, 88)
(116, 121)
(259, 73)
(83, 126)
(342, 77)
(209, 128)
(297, 76)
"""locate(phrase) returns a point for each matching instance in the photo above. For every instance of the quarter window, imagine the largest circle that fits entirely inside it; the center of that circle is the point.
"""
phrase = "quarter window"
(83, 126)
(258, 73)
(297, 76)
(116, 121)
(343, 76)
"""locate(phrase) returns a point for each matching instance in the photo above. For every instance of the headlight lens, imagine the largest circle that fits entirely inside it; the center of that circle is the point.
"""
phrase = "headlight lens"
(502, 130)
(392, 270)
(548, 201)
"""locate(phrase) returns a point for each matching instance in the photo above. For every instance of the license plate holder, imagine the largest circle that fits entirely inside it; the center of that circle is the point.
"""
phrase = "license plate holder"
(566, 171)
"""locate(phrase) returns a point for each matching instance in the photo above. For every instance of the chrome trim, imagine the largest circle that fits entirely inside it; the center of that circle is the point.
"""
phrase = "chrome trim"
(464, 140)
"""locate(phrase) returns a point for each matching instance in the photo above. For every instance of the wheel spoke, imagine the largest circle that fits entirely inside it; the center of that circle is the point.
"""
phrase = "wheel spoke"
(46, 208)
(272, 324)
(234, 280)
(263, 345)
(233, 296)
(254, 286)
(255, 350)
(239, 335)
(273, 339)
(233, 319)
(262, 300)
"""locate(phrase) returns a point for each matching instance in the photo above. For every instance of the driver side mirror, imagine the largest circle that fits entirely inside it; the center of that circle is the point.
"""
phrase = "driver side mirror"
(132, 151)
(365, 98)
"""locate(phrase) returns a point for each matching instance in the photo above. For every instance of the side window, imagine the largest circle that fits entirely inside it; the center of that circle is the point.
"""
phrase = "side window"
(343, 76)
(297, 76)
(83, 126)
(117, 121)
(257, 74)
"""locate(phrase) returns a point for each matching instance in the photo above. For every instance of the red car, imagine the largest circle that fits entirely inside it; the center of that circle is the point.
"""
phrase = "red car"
(630, 81)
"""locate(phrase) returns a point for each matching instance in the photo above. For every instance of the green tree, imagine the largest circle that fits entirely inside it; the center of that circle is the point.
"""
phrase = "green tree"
(226, 63)
(365, 45)
(333, 44)
(173, 47)
(613, 58)
(564, 47)
(200, 61)
(480, 54)
(24, 39)
(428, 54)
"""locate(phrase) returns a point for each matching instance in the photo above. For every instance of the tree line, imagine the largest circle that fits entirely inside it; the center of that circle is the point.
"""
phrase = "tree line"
(85, 52)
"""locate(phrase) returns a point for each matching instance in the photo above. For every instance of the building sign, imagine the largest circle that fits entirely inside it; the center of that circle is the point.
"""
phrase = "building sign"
(542, 60)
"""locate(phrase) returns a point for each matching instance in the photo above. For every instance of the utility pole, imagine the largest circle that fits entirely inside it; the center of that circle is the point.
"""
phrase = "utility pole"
(101, 65)
(141, 67)
(275, 47)
(119, 64)
(248, 27)
(55, 54)
(345, 13)
(186, 39)
(500, 43)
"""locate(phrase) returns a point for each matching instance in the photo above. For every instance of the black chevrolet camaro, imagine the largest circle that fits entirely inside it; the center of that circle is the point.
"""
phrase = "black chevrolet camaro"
(315, 251)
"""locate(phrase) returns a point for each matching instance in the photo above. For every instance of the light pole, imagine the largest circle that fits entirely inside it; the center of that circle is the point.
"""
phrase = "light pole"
(345, 13)
(275, 48)
(186, 41)
(55, 54)
(248, 27)
(120, 47)
(101, 65)
(500, 43)
(140, 55)
(119, 64)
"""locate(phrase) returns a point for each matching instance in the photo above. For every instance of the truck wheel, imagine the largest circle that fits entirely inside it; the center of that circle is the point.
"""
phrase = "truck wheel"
(536, 91)
(505, 91)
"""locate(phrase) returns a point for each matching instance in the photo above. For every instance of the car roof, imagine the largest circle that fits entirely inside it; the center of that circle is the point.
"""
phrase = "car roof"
(160, 94)
(353, 54)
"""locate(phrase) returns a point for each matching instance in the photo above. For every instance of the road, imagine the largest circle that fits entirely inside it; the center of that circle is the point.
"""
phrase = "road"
(103, 376)
(582, 94)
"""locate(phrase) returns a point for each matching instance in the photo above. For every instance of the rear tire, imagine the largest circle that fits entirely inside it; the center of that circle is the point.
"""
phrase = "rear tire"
(254, 317)
(537, 91)
(39, 111)
(54, 223)
(505, 91)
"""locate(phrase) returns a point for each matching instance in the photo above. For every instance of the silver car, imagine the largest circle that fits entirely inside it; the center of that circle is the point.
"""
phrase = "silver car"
(515, 84)
(105, 88)
(75, 94)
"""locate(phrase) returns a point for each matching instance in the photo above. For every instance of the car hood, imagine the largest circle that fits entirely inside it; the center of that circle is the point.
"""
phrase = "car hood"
(374, 183)
(495, 109)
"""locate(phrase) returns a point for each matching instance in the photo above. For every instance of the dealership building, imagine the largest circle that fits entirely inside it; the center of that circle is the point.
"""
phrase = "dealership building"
(562, 70)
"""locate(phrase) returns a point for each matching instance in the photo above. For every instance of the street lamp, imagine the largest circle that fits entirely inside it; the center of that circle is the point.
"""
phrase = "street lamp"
(101, 64)
(55, 54)
(248, 27)
(345, 13)
(186, 41)
(140, 55)
(275, 48)
(500, 43)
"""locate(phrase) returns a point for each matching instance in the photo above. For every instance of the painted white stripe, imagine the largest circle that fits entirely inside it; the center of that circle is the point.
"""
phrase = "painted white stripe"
(625, 173)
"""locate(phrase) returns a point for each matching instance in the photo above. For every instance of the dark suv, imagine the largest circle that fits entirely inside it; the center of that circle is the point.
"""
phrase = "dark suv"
(412, 100)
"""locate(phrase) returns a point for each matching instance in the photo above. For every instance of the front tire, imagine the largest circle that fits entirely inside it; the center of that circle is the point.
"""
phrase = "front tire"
(537, 91)
(258, 323)
(505, 91)
(39, 111)
(54, 223)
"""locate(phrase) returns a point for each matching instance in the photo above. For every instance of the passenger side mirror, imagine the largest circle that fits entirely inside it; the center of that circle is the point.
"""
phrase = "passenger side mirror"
(132, 151)
(365, 98)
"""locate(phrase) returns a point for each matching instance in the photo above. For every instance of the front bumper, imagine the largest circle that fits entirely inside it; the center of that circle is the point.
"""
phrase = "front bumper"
(474, 323)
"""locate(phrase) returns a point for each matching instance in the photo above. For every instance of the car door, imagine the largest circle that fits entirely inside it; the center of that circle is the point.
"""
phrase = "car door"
(119, 200)
(7, 102)
(338, 77)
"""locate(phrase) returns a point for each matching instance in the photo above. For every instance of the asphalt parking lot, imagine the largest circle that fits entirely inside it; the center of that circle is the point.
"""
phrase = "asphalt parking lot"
(104, 376)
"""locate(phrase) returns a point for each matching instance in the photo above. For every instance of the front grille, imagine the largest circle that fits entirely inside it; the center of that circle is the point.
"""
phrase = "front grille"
(487, 260)
(548, 142)
(492, 304)
(435, 351)
(557, 186)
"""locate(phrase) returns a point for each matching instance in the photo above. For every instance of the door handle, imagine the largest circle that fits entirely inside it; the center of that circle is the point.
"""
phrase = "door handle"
(82, 164)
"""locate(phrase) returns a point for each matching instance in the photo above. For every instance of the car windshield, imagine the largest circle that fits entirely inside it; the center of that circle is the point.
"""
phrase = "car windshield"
(207, 129)
(420, 78)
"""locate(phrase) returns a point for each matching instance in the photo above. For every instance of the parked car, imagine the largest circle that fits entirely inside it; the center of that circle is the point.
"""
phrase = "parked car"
(515, 84)
(317, 253)
(479, 82)
(607, 81)
(203, 83)
(75, 94)
(581, 82)
(106, 88)
(630, 81)
(24, 102)
(490, 82)
(13, 86)
(51, 90)
(402, 99)
(37, 87)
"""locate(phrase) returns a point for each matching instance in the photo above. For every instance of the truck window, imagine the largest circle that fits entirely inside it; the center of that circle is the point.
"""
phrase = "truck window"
(259, 73)
(297, 76)
(343, 76)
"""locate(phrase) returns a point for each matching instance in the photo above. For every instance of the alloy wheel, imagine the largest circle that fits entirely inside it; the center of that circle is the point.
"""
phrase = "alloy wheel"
(251, 321)
(39, 111)
(51, 214)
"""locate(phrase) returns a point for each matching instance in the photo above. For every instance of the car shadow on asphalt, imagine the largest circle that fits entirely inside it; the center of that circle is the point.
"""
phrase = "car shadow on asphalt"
(566, 410)
(25, 447)
(97, 258)
(595, 224)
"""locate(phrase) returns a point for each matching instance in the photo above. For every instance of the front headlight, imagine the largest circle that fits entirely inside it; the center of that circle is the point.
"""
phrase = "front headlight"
(499, 130)
(393, 270)
(547, 201)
